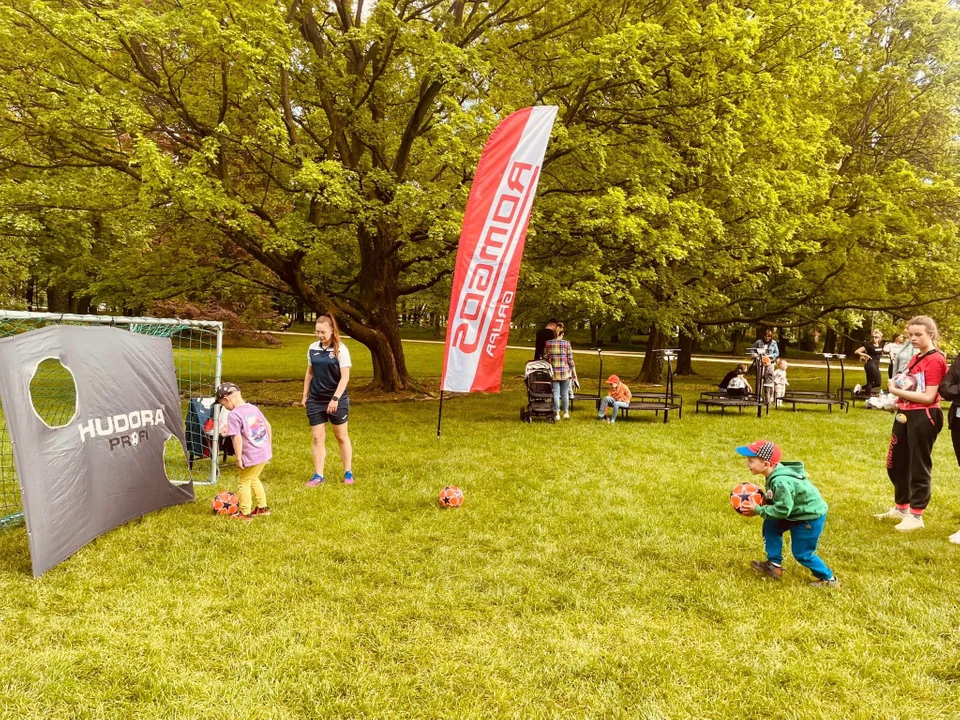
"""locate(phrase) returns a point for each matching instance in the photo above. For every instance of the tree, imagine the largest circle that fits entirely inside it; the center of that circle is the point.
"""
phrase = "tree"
(332, 144)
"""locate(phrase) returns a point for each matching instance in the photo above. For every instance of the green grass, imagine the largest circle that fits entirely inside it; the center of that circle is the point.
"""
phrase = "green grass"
(594, 571)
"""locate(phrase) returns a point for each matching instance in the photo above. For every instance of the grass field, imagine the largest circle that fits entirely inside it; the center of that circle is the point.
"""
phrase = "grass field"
(594, 571)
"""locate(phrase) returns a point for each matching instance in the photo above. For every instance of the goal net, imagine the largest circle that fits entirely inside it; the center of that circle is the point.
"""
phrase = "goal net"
(197, 354)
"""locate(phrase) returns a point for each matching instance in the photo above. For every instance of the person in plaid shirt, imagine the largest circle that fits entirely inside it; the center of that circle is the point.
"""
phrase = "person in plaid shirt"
(559, 354)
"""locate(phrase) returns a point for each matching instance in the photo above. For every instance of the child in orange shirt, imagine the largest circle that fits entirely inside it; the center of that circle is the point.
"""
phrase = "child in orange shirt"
(618, 398)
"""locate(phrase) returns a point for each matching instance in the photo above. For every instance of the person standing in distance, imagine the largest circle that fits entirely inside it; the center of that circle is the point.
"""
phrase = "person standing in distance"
(325, 397)
(543, 336)
(767, 363)
(892, 350)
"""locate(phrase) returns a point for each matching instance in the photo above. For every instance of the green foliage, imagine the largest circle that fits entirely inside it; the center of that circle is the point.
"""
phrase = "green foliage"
(711, 164)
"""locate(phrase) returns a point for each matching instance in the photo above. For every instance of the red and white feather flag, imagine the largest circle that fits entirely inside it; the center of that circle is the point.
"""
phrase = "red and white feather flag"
(491, 246)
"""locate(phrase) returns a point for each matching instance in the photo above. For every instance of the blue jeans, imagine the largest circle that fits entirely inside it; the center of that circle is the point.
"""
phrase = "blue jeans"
(561, 389)
(804, 536)
(609, 402)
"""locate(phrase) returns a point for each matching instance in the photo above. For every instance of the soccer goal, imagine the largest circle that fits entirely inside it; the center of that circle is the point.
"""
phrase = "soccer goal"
(197, 355)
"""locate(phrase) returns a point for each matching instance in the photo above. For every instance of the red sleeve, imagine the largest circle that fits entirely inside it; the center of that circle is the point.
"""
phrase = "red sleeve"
(936, 370)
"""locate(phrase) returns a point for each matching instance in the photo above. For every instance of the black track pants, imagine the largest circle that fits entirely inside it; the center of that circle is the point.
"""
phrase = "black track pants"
(955, 429)
(874, 379)
(909, 459)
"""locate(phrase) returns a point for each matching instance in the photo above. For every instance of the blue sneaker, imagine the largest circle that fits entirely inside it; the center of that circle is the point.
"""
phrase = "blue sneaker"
(316, 480)
(348, 478)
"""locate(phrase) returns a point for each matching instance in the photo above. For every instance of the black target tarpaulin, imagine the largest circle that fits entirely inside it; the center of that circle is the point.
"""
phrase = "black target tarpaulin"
(104, 466)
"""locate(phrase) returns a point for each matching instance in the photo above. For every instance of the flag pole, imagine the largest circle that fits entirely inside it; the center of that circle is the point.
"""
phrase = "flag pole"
(440, 413)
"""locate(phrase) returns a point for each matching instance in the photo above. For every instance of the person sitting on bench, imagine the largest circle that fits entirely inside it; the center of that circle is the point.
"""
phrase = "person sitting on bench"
(618, 399)
(738, 386)
(738, 370)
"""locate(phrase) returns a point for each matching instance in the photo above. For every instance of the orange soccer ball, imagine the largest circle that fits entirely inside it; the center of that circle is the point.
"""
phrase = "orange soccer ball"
(744, 492)
(225, 503)
(451, 497)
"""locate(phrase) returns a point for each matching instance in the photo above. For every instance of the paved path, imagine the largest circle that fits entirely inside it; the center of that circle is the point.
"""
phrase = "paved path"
(726, 359)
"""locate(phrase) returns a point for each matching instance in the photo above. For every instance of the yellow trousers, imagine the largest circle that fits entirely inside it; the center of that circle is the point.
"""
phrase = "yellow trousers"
(250, 480)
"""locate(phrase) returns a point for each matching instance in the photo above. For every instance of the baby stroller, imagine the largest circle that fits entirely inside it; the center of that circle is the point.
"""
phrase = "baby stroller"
(538, 377)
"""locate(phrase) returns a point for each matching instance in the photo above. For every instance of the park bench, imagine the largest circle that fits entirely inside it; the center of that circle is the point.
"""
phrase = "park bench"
(864, 396)
(727, 402)
(820, 397)
(658, 401)
(723, 400)
(796, 399)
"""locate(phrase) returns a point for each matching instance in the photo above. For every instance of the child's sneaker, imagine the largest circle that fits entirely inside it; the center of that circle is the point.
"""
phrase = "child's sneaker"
(556, 416)
(955, 538)
(768, 568)
(566, 416)
(241, 516)
(893, 513)
(316, 480)
(910, 522)
(348, 478)
(832, 582)
(260, 511)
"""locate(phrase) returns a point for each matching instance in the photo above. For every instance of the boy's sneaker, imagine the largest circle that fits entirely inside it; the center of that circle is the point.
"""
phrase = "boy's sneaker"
(260, 511)
(955, 538)
(768, 568)
(241, 516)
(893, 513)
(910, 522)
(601, 417)
(832, 582)
(348, 478)
(316, 480)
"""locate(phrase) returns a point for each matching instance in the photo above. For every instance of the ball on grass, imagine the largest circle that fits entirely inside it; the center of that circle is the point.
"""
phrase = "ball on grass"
(451, 497)
(225, 503)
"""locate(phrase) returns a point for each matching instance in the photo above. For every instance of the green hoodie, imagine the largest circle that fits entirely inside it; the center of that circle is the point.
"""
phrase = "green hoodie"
(791, 495)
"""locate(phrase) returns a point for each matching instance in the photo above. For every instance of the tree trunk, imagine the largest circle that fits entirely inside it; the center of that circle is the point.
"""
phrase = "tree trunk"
(782, 342)
(830, 341)
(736, 342)
(685, 361)
(652, 370)
(595, 333)
(299, 314)
(56, 300)
(850, 344)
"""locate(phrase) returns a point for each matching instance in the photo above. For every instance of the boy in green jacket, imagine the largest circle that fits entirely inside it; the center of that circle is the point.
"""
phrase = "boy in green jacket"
(793, 505)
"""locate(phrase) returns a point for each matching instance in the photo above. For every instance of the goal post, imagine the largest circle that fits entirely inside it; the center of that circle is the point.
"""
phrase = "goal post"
(197, 355)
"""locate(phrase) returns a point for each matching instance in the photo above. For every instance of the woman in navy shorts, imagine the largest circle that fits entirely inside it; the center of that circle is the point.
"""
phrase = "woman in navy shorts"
(325, 397)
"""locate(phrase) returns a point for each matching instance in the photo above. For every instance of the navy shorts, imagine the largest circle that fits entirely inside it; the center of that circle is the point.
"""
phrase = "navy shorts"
(318, 415)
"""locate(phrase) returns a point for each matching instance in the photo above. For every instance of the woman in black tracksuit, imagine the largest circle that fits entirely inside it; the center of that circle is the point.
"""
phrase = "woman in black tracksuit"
(950, 390)
(870, 353)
